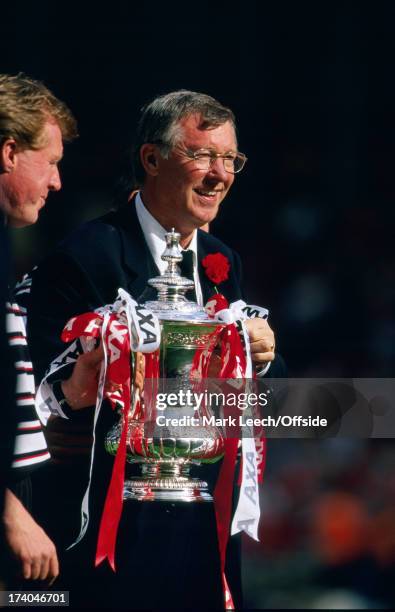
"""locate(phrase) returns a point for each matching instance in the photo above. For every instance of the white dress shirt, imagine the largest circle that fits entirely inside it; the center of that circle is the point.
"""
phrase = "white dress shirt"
(154, 235)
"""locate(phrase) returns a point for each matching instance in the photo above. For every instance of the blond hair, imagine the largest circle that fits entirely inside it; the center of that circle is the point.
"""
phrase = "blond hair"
(25, 106)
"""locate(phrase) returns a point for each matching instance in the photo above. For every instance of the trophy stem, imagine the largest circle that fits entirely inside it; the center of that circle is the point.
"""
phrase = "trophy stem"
(166, 481)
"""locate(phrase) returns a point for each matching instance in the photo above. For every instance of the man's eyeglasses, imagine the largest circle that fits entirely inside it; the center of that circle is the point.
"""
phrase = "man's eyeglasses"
(204, 159)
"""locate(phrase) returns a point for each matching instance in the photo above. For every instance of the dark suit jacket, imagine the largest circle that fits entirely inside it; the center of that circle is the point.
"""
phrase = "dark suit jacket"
(87, 269)
(180, 543)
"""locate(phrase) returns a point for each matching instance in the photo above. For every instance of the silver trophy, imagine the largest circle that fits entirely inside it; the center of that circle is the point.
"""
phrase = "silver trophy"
(164, 448)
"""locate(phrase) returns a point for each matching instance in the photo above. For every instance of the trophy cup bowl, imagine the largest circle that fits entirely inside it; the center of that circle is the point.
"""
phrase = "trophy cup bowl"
(164, 448)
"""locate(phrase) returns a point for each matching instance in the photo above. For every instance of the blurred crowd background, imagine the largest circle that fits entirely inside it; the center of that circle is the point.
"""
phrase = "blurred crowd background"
(312, 85)
(327, 537)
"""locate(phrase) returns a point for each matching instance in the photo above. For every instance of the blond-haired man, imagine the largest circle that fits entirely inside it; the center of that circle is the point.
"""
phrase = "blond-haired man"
(33, 125)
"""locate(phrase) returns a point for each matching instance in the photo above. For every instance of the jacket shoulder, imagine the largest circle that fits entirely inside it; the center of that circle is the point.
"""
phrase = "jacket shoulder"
(91, 238)
(85, 266)
(211, 243)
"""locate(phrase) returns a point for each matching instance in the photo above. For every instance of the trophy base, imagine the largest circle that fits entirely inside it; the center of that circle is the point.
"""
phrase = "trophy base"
(167, 489)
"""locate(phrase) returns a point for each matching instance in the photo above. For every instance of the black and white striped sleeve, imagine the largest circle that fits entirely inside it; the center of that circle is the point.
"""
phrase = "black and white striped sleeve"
(30, 445)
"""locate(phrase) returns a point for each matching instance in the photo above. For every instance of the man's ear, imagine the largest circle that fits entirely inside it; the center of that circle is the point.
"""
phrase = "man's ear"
(149, 154)
(8, 155)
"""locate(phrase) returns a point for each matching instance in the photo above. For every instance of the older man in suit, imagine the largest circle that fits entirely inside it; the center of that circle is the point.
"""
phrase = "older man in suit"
(185, 160)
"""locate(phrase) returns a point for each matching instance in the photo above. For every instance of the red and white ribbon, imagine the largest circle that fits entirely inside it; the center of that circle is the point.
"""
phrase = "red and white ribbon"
(236, 363)
(125, 326)
(122, 327)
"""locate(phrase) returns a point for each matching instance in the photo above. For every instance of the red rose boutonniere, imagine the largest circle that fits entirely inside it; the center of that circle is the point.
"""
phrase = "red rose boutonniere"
(217, 267)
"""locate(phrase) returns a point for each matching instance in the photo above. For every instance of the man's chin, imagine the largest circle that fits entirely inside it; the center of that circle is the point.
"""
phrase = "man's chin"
(205, 213)
(23, 221)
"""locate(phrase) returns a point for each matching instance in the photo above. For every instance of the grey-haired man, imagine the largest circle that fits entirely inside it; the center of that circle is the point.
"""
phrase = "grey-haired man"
(185, 160)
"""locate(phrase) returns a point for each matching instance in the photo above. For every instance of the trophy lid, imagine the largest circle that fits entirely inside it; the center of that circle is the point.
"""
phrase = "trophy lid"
(171, 303)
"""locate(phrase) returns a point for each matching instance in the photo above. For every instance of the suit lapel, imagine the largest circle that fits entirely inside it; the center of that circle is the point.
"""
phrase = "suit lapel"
(206, 284)
(140, 265)
(230, 288)
(136, 255)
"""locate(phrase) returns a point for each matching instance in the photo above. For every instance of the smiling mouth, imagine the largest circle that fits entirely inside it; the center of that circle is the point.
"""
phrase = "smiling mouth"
(209, 194)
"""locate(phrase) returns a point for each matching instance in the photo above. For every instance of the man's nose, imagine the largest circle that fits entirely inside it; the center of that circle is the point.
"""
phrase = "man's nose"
(217, 169)
(55, 182)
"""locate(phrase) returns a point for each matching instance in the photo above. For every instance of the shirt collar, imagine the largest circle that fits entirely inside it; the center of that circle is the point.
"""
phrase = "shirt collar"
(154, 235)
